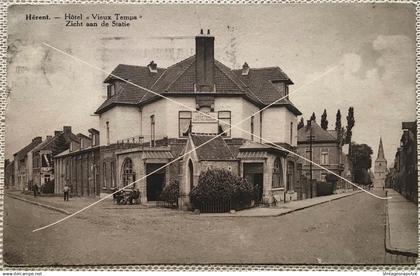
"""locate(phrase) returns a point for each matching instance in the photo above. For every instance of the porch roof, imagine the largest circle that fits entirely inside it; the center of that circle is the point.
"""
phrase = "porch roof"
(255, 147)
(252, 155)
(157, 154)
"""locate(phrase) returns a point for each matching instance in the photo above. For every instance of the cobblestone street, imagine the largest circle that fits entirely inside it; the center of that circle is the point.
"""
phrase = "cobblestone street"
(346, 231)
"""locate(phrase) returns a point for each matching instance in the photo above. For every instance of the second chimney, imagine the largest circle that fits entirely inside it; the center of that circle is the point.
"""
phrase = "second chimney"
(204, 62)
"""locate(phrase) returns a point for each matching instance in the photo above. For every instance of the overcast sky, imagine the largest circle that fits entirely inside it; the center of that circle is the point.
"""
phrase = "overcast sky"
(371, 49)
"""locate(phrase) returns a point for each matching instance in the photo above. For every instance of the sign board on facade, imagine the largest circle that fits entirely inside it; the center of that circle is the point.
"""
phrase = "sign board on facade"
(204, 124)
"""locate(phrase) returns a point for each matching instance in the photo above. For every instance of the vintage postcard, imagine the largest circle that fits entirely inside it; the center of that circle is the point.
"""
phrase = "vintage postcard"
(277, 134)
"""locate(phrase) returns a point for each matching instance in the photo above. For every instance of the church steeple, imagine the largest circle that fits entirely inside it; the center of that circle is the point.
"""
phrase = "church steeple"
(381, 155)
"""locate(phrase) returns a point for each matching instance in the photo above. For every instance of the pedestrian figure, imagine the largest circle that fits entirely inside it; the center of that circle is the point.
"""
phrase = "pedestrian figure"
(35, 188)
(66, 190)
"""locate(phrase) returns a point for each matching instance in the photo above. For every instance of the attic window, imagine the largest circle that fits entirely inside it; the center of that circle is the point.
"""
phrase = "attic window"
(245, 69)
(110, 90)
(280, 86)
(152, 67)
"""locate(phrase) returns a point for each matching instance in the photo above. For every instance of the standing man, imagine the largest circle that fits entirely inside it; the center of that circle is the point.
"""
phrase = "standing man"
(66, 190)
(35, 188)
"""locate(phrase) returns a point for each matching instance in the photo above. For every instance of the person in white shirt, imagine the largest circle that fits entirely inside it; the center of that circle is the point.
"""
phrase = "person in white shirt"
(66, 190)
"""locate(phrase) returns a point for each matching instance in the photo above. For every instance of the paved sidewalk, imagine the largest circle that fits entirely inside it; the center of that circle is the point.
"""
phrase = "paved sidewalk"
(402, 225)
(283, 209)
(57, 203)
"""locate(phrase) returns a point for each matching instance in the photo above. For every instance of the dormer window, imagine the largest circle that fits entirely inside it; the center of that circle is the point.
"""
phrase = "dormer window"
(110, 90)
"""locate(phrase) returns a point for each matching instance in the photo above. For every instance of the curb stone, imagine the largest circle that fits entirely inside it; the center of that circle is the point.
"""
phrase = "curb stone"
(40, 204)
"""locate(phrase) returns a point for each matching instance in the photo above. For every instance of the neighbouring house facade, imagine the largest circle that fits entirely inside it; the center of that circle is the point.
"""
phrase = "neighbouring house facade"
(326, 151)
(78, 166)
(403, 176)
(322, 147)
(42, 156)
(381, 168)
(9, 173)
(23, 165)
(141, 132)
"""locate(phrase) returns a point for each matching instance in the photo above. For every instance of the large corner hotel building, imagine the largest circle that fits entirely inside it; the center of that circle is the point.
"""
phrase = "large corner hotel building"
(141, 131)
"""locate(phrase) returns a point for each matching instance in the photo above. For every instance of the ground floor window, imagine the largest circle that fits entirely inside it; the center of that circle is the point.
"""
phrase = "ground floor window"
(290, 175)
(277, 174)
(128, 175)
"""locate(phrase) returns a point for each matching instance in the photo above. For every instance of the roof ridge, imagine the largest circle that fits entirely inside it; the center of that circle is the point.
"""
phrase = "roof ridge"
(180, 75)
(217, 63)
(132, 65)
(245, 85)
(175, 64)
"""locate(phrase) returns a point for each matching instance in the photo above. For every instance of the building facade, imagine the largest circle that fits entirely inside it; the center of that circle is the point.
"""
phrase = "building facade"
(403, 176)
(141, 133)
(23, 164)
(322, 147)
(42, 157)
(9, 174)
(381, 168)
(78, 166)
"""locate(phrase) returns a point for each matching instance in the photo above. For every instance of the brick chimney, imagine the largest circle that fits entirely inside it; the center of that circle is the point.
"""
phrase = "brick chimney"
(245, 69)
(152, 67)
(204, 62)
(57, 132)
(37, 139)
(67, 129)
(49, 137)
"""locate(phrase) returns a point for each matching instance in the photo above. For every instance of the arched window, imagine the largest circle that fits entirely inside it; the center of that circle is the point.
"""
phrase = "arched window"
(277, 174)
(128, 174)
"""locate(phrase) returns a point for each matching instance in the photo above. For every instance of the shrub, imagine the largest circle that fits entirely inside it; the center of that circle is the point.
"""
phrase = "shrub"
(171, 192)
(219, 185)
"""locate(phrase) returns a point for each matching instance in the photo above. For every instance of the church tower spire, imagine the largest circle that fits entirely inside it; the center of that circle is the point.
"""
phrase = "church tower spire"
(381, 155)
(381, 169)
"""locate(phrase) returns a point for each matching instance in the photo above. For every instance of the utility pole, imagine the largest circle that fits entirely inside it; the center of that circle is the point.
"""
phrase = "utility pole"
(310, 156)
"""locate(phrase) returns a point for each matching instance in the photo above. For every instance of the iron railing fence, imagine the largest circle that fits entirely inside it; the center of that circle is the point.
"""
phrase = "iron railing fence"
(143, 141)
(167, 204)
(223, 205)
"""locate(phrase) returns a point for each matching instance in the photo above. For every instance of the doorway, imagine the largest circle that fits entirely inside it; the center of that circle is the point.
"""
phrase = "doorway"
(155, 182)
(254, 174)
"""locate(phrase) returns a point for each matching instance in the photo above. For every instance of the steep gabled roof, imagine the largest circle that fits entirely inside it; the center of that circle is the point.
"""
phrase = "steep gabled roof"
(179, 78)
(129, 94)
(22, 153)
(318, 133)
(57, 143)
(260, 82)
(216, 149)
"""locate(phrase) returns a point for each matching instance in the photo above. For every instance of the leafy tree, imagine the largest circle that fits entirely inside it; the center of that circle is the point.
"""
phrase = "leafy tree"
(301, 123)
(338, 128)
(324, 121)
(362, 161)
(313, 117)
(350, 125)
(338, 121)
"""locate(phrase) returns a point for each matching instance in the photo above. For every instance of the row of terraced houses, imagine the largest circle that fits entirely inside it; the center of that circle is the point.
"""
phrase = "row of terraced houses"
(143, 127)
